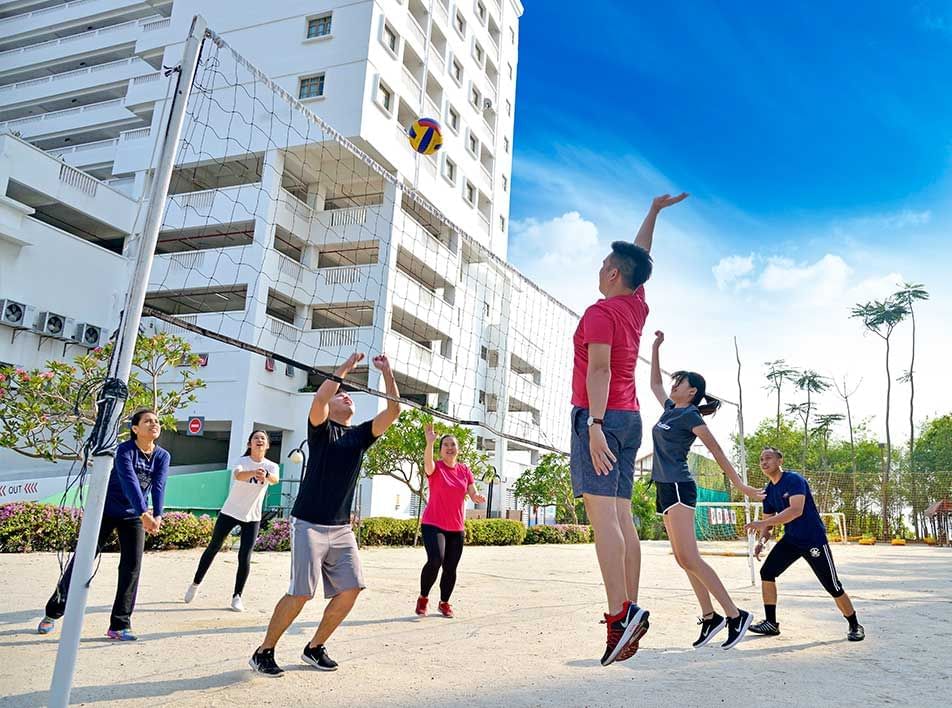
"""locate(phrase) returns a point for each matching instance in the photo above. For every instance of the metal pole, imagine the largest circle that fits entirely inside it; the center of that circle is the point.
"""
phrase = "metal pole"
(743, 465)
(85, 555)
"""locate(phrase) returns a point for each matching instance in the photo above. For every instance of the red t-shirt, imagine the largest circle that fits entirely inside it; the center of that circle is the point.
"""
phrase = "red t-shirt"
(448, 485)
(617, 321)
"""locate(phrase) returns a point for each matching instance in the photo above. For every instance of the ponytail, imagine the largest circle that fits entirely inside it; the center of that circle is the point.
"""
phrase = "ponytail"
(696, 381)
(710, 406)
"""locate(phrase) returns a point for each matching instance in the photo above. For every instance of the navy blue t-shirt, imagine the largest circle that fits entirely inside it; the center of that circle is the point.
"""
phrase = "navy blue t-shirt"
(807, 530)
(134, 476)
(672, 436)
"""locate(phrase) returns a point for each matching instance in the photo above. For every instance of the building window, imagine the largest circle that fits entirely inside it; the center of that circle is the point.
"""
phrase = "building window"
(486, 309)
(385, 97)
(472, 144)
(469, 193)
(319, 26)
(509, 108)
(502, 224)
(479, 53)
(505, 183)
(311, 87)
(512, 35)
(456, 71)
(459, 22)
(481, 11)
(511, 73)
(449, 170)
(484, 353)
(482, 398)
(390, 39)
(476, 98)
(453, 118)
(505, 144)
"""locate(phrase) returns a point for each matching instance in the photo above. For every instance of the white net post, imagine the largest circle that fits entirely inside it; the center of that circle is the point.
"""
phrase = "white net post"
(111, 416)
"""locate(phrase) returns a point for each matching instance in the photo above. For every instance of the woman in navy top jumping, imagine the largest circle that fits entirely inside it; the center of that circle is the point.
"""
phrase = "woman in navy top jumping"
(674, 433)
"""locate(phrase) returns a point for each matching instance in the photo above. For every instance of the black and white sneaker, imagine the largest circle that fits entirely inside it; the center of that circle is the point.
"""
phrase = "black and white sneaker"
(632, 621)
(766, 627)
(318, 658)
(737, 628)
(709, 627)
(857, 634)
(262, 661)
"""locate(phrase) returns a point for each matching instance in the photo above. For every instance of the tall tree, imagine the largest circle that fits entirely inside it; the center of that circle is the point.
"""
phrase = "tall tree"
(822, 430)
(881, 317)
(549, 483)
(908, 294)
(845, 394)
(777, 373)
(802, 411)
(810, 382)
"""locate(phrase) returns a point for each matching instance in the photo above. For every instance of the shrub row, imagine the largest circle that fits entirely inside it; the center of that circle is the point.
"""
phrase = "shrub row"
(26, 527)
(384, 531)
(560, 533)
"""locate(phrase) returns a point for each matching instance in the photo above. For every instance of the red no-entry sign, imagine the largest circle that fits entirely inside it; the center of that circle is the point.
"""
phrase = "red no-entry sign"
(196, 425)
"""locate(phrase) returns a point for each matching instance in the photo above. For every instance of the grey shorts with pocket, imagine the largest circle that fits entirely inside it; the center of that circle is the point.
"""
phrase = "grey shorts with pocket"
(328, 552)
(623, 431)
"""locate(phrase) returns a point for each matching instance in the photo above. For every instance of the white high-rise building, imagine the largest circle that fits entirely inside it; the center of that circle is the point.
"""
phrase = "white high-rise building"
(83, 94)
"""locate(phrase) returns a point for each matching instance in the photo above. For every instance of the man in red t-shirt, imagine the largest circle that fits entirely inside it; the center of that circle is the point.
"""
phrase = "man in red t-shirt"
(606, 427)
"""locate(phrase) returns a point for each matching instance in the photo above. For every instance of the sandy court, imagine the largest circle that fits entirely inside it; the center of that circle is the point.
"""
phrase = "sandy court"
(526, 634)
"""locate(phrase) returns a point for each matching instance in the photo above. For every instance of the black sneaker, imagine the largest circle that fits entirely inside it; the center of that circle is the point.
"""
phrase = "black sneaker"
(318, 658)
(621, 630)
(737, 628)
(766, 627)
(263, 662)
(709, 627)
(857, 635)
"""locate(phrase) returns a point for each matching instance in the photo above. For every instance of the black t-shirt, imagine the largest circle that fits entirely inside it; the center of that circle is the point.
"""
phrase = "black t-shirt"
(336, 454)
(673, 436)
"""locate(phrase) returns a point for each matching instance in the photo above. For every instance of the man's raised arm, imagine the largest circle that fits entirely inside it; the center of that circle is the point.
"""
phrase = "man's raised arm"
(646, 232)
(328, 389)
(385, 418)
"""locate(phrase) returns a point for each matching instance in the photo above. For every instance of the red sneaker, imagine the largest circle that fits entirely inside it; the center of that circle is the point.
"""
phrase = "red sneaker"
(445, 609)
(631, 648)
(628, 625)
(421, 604)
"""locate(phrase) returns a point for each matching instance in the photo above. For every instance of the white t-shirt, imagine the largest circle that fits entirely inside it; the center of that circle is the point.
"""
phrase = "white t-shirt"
(245, 498)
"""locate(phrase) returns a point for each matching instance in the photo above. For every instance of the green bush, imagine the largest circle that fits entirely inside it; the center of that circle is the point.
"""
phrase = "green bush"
(494, 532)
(384, 531)
(27, 527)
(559, 533)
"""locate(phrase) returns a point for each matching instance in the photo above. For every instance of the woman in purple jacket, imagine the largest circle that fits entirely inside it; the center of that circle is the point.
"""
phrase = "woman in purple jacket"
(140, 468)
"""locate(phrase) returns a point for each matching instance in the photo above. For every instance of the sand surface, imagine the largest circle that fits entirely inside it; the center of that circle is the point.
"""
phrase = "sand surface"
(526, 634)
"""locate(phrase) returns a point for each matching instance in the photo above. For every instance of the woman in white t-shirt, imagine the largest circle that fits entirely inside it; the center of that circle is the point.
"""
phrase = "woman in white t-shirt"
(250, 479)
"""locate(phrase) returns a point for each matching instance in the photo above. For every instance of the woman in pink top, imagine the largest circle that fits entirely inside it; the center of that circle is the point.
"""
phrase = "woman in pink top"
(450, 482)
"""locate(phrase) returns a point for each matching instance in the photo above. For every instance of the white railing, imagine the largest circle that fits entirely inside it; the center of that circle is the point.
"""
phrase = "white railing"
(78, 180)
(82, 35)
(199, 201)
(156, 24)
(416, 292)
(136, 134)
(353, 216)
(341, 337)
(146, 78)
(416, 30)
(411, 84)
(52, 115)
(283, 330)
(434, 110)
(83, 148)
(341, 275)
(52, 78)
(440, 14)
(186, 261)
(45, 11)
(297, 207)
(290, 268)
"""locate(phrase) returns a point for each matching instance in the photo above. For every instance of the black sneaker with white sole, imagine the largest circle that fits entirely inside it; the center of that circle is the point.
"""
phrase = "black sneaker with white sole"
(262, 661)
(709, 627)
(856, 634)
(318, 658)
(737, 628)
(766, 628)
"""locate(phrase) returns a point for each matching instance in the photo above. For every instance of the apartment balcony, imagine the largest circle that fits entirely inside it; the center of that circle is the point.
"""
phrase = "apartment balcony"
(100, 76)
(147, 88)
(524, 389)
(414, 34)
(416, 361)
(231, 324)
(440, 15)
(88, 154)
(292, 214)
(72, 121)
(67, 13)
(485, 180)
(133, 151)
(201, 269)
(194, 210)
(158, 33)
(92, 43)
(325, 285)
(412, 297)
(323, 347)
(351, 225)
(429, 249)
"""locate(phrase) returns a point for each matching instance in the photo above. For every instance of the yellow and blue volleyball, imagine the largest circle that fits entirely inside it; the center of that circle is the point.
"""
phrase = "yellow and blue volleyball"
(426, 136)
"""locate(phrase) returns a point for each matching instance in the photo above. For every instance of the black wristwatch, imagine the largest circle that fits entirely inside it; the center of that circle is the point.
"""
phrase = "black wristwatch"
(595, 421)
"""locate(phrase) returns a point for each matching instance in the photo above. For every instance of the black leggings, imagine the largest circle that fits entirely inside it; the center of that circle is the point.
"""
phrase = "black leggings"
(131, 546)
(784, 554)
(443, 549)
(223, 526)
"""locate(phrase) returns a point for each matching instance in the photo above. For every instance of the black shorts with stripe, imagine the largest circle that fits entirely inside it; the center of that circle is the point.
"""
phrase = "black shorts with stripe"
(784, 554)
(669, 494)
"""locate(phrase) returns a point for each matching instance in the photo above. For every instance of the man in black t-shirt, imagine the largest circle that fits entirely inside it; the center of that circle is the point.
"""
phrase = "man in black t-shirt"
(323, 546)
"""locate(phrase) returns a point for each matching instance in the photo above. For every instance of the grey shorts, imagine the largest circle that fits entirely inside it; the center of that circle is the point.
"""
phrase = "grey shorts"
(623, 431)
(323, 551)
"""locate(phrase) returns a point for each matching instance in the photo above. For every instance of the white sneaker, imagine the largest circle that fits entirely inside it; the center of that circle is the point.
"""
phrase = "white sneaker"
(191, 592)
(236, 604)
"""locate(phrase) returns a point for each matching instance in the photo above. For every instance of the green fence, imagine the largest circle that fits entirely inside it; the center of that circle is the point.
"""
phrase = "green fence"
(703, 528)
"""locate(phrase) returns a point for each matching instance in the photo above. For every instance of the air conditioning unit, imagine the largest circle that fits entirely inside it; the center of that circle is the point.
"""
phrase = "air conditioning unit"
(51, 324)
(87, 335)
(15, 314)
(487, 104)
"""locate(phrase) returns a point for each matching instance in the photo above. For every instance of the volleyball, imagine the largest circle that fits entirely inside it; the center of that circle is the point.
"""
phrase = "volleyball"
(426, 136)
(297, 457)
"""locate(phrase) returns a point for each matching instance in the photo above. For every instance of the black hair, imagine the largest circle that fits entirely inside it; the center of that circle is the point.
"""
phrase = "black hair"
(633, 263)
(770, 448)
(443, 437)
(696, 381)
(248, 449)
(136, 417)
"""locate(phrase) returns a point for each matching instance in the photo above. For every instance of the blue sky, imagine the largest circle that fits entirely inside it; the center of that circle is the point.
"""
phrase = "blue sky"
(816, 145)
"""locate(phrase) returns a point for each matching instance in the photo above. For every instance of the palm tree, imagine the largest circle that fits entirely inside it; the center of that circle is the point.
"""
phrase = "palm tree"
(777, 373)
(822, 429)
(881, 317)
(810, 382)
(802, 411)
(908, 294)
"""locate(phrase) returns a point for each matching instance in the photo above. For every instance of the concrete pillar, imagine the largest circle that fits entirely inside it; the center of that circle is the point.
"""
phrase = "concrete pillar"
(387, 265)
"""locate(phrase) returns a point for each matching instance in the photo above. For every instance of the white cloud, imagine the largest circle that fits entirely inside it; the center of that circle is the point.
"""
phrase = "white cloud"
(731, 269)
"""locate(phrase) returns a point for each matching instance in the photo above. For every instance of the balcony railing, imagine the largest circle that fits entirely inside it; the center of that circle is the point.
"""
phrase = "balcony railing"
(136, 134)
(411, 84)
(415, 30)
(342, 275)
(339, 337)
(353, 216)
(43, 11)
(85, 147)
(52, 115)
(283, 330)
(298, 208)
